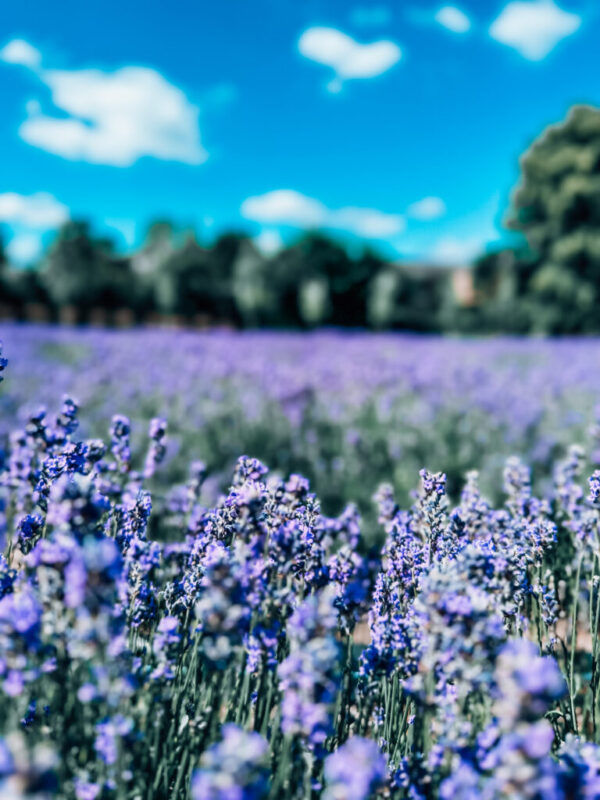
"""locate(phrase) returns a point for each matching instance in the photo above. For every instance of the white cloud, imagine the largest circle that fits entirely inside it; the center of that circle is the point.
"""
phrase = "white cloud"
(366, 222)
(428, 208)
(24, 248)
(454, 19)
(18, 51)
(288, 207)
(41, 210)
(454, 241)
(348, 58)
(533, 28)
(116, 118)
(269, 242)
(285, 207)
(455, 251)
(110, 117)
(371, 16)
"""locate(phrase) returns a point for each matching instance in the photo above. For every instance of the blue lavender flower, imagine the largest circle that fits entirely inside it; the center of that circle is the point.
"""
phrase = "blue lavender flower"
(20, 617)
(235, 768)
(66, 421)
(8, 576)
(310, 675)
(86, 790)
(355, 771)
(3, 363)
(28, 531)
(395, 637)
(386, 505)
(108, 735)
(528, 684)
(430, 514)
(594, 481)
(157, 449)
(120, 431)
(221, 608)
(261, 646)
(517, 485)
(248, 469)
(579, 768)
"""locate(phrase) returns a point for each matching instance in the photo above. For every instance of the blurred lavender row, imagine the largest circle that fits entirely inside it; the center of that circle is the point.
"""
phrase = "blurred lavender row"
(348, 410)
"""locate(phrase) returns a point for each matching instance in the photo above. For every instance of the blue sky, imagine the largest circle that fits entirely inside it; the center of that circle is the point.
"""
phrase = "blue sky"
(400, 123)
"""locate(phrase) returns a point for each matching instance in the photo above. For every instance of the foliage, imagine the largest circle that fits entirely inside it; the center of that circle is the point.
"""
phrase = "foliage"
(83, 272)
(194, 280)
(557, 208)
(310, 283)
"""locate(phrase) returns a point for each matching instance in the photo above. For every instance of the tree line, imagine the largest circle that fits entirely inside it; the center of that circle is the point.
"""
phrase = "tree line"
(546, 283)
(314, 281)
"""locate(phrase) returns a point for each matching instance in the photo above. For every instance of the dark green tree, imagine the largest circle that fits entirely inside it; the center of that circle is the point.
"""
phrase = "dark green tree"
(316, 282)
(557, 208)
(82, 271)
(252, 284)
(198, 281)
(408, 297)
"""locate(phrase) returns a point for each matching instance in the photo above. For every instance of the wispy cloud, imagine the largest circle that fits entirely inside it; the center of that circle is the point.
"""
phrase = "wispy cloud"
(348, 58)
(41, 210)
(288, 207)
(534, 28)
(24, 248)
(284, 207)
(454, 241)
(111, 118)
(29, 216)
(18, 51)
(427, 209)
(367, 222)
(453, 19)
(457, 251)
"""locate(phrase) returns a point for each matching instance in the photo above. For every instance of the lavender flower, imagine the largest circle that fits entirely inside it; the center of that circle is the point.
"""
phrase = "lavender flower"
(120, 430)
(29, 530)
(236, 767)
(157, 450)
(355, 771)
(310, 676)
(3, 363)
(109, 734)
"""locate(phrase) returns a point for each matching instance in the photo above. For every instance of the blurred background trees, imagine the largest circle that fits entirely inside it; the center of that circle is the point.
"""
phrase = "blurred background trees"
(546, 282)
(551, 284)
(84, 272)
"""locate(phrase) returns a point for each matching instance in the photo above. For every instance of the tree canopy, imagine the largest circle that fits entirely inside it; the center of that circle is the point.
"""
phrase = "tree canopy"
(557, 208)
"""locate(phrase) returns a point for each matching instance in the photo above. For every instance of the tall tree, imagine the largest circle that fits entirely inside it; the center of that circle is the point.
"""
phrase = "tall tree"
(196, 280)
(317, 283)
(82, 271)
(557, 208)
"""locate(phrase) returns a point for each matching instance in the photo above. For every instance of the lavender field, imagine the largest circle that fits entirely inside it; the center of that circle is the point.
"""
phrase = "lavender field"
(348, 411)
(266, 565)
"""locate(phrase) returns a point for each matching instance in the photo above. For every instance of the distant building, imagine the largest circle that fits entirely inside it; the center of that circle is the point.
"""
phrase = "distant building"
(463, 286)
